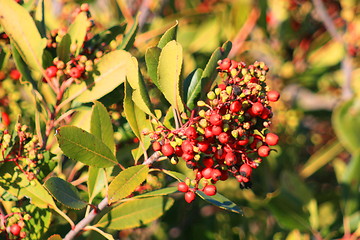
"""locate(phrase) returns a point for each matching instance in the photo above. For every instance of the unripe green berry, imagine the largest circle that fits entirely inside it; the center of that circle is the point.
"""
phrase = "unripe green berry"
(229, 90)
(201, 103)
(211, 95)
(217, 91)
(203, 123)
(202, 113)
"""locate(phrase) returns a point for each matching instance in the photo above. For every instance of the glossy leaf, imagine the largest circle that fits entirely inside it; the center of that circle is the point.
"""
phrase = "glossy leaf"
(126, 182)
(77, 31)
(152, 56)
(40, 17)
(135, 213)
(64, 192)
(96, 181)
(21, 28)
(140, 94)
(208, 76)
(106, 36)
(101, 125)
(63, 50)
(82, 146)
(220, 201)
(190, 84)
(159, 192)
(129, 37)
(169, 69)
(109, 73)
(168, 36)
(22, 67)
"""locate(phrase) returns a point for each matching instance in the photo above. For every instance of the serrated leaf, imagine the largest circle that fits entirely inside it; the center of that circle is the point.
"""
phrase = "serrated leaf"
(77, 31)
(135, 213)
(346, 119)
(159, 192)
(64, 192)
(140, 94)
(101, 125)
(39, 222)
(20, 27)
(152, 56)
(82, 146)
(96, 181)
(63, 50)
(109, 73)
(129, 37)
(168, 36)
(126, 182)
(221, 202)
(208, 76)
(169, 69)
(190, 84)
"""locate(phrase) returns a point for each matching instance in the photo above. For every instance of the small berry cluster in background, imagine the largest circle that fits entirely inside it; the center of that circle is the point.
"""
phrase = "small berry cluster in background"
(13, 223)
(227, 135)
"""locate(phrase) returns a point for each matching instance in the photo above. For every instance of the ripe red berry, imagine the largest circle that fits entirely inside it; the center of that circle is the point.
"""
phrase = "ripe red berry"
(263, 151)
(257, 108)
(216, 175)
(210, 190)
(15, 229)
(183, 187)
(75, 73)
(207, 172)
(167, 149)
(222, 86)
(243, 142)
(187, 147)
(245, 170)
(156, 146)
(230, 158)
(223, 137)
(273, 96)
(51, 71)
(203, 146)
(208, 162)
(216, 130)
(178, 151)
(215, 119)
(235, 107)
(15, 74)
(224, 64)
(265, 113)
(187, 156)
(189, 196)
(5, 119)
(208, 132)
(191, 133)
(272, 139)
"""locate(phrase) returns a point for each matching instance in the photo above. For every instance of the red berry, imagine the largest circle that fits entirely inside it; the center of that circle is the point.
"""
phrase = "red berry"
(208, 162)
(273, 96)
(178, 151)
(15, 229)
(265, 113)
(243, 142)
(245, 170)
(15, 74)
(189, 196)
(167, 149)
(208, 132)
(263, 151)
(235, 107)
(257, 108)
(51, 71)
(272, 139)
(191, 133)
(224, 137)
(75, 73)
(215, 119)
(216, 175)
(187, 147)
(216, 130)
(203, 146)
(207, 172)
(183, 187)
(222, 86)
(156, 146)
(230, 159)
(5, 119)
(224, 175)
(187, 156)
(225, 64)
(210, 190)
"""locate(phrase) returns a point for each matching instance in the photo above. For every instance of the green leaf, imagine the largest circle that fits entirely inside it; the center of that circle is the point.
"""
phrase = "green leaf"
(21, 28)
(39, 222)
(55, 237)
(106, 36)
(96, 181)
(77, 31)
(101, 125)
(82, 146)
(64, 192)
(140, 94)
(134, 115)
(63, 50)
(168, 36)
(126, 182)
(152, 56)
(109, 73)
(208, 76)
(18, 185)
(129, 37)
(189, 86)
(159, 192)
(221, 202)
(346, 122)
(40, 17)
(135, 213)
(169, 69)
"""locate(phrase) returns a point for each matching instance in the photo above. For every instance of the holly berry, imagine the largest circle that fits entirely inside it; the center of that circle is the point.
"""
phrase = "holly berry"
(167, 149)
(257, 108)
(235, 107)
(156, 146)
(264, 151)
(15, 229)
(189, 196)
(273, 96)
(271, 139)
(183, 187)
(51, 71)
(216, 119)
(210, 190)
(191, 133)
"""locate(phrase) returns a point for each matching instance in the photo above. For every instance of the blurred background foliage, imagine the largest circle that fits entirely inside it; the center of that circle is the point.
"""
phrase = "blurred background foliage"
(309, 187)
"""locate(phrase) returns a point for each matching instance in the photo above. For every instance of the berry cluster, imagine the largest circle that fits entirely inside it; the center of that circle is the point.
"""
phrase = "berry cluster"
(21, 148)
(227, 134)
(12, 224)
